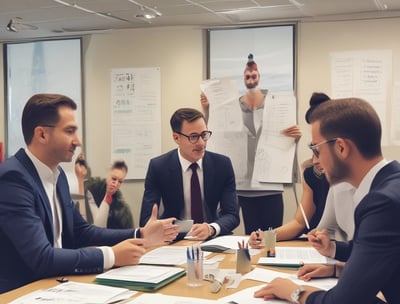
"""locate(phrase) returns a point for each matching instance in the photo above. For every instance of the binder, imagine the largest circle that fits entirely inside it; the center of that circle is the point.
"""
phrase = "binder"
(140, 277)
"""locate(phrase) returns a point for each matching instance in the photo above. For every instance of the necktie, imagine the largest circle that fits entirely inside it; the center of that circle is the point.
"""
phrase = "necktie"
(57, 219)
(195, 196)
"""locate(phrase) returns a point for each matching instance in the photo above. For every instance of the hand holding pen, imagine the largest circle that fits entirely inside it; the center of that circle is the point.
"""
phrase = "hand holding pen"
(321, 241)
(256, 239)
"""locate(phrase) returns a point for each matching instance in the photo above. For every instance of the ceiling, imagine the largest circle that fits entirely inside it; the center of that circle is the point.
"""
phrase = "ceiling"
(36, 19)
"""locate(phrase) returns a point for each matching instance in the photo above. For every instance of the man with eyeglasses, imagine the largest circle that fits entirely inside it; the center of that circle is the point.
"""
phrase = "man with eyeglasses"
(169, 180)
(346, 137)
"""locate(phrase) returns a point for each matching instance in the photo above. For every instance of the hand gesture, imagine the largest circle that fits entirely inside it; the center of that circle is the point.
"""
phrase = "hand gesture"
(159, 232)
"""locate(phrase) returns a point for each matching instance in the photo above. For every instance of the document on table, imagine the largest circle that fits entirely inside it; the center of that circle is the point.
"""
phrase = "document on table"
(76, 293)
(140, 277)
(167, 255)
(294, 257)
(227, 244)
(266, 275)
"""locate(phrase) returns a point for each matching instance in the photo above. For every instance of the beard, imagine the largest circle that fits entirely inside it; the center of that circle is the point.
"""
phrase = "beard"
(250, 86)
(339, 171)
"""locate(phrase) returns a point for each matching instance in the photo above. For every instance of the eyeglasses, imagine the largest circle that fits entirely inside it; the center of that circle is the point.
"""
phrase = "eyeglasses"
(194, 138)
(314, 148)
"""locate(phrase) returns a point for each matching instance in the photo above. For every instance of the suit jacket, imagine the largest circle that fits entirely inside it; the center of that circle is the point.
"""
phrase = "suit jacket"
(373, 262)
(26, 233)
(164, 182)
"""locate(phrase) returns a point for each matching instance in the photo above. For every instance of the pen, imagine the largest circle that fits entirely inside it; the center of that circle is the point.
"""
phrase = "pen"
(258, 235)
(188, 254)
(304, 216)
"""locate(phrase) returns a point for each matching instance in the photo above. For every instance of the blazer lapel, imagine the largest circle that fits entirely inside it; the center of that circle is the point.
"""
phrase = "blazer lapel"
(27, 163)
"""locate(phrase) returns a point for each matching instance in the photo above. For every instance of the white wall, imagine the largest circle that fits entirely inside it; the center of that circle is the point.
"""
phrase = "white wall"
(180, 52)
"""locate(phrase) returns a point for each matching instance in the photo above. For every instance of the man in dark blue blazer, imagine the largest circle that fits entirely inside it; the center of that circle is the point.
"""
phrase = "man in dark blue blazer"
(42, 233)
(168, 180)
(346, 136)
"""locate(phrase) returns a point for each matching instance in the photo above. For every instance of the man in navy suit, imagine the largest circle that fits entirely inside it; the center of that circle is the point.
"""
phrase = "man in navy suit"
(346, 136)
(42, 234)
(168, 180)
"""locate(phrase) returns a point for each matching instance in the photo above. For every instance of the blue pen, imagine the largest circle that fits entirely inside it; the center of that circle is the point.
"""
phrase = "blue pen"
(198, 253)
(192, 253)
(188, 254)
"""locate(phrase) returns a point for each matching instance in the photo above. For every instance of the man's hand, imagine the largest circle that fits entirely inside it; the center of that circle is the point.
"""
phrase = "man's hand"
(293, 131)
(199, 232)
(128, 252)
(321, 241)
(204, 102)
(310, 271)
(159, 232)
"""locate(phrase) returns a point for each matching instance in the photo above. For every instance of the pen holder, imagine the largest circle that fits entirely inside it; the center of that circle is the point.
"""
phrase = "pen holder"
(243, 260)
(195, 272)
(270, 242)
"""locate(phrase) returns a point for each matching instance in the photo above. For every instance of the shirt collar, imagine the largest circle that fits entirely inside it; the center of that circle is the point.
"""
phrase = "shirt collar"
(45, 173)
(366, 182)
(185, 163)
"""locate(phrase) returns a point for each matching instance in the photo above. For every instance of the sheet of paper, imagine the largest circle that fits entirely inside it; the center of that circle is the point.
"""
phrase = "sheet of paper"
(76, 293)
(167, 255)
(223, 95)
(165, 299)
(266, 275)
(275, 151)
(295, 256)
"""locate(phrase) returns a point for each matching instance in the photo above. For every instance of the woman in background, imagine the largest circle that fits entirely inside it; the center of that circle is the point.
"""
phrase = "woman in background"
(105, 205)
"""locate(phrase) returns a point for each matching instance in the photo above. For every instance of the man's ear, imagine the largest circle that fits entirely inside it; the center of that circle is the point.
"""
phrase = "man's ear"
(40, 133)
(175, 137)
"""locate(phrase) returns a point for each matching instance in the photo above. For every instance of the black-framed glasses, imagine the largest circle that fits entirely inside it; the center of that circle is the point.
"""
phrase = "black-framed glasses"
(314, 148)
(194, 138)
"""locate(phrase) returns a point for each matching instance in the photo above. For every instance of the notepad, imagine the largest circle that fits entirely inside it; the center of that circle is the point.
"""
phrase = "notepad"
(140, 277)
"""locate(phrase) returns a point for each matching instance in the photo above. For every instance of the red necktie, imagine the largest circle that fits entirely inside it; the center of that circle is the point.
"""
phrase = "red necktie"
(195, 196)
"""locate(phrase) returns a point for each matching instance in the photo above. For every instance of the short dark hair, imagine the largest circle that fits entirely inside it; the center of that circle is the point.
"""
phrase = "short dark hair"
(120, 164)
(316, 99)
(353, 119)
(41, 110)
(184, 114)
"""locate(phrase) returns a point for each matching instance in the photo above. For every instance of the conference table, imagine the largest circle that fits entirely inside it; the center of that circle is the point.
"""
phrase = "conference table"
(178, 287)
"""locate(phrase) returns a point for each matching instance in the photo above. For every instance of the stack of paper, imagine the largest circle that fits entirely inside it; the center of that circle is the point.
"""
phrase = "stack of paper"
(140, 277)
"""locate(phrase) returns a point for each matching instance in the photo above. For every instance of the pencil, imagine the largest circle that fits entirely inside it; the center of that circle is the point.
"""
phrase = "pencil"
(304, 216)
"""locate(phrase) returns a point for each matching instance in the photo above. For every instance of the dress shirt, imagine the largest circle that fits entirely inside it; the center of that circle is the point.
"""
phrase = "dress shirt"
(49, 178)
(186, 176)
(366, 182)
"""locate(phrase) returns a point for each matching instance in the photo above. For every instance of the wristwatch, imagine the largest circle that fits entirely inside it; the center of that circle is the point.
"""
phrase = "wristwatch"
(296, 294)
